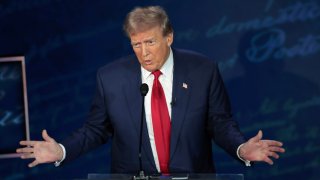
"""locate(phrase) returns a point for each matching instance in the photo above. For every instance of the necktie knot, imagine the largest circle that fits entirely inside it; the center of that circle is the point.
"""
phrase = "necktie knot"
(156, 74)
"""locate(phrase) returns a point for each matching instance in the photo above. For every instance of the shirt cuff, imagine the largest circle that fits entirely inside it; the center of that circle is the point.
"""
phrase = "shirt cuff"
(247, 163)
(57, 163)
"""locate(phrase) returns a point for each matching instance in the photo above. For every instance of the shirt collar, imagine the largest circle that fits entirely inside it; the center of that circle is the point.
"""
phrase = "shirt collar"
(166, 69)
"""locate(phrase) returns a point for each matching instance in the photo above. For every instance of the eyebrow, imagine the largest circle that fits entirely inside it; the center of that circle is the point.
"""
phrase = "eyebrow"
(149, 39)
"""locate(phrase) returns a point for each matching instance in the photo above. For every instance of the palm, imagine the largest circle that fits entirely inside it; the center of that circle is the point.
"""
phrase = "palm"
(44, 152)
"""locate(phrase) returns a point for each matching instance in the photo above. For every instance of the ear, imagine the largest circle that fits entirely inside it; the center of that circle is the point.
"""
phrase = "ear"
(169, 39)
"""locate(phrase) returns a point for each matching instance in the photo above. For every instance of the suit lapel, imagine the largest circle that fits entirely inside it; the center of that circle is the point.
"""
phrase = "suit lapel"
(134, 103)
(180, 94)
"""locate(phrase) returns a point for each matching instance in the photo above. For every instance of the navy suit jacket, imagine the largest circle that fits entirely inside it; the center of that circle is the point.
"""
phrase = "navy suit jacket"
(201, 114)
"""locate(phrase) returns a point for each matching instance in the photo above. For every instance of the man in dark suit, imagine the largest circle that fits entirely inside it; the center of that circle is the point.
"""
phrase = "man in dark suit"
(185, 109)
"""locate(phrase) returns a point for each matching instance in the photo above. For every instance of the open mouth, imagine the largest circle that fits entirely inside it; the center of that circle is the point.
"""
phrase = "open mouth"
(148, 62)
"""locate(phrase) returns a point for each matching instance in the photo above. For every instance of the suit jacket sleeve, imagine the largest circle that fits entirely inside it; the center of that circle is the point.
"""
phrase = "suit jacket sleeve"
(223, 129)
(95, 131)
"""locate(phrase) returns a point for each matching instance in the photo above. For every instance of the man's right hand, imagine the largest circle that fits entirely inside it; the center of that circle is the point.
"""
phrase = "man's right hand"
(46, 151)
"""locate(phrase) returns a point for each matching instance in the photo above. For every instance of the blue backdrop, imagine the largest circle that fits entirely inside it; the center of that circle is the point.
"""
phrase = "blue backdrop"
(268, 52)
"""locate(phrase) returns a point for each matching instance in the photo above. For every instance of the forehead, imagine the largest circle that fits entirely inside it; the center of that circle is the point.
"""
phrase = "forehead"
(154, 32)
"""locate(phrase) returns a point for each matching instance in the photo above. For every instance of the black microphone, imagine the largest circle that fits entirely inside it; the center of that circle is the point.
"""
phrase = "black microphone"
(143, 90)
(173, 102)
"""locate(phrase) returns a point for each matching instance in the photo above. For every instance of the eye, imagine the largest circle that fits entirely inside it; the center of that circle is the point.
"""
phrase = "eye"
(151, 42)
(136, 45)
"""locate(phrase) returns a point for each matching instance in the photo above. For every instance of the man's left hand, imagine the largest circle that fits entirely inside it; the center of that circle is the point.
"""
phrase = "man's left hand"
(257, 149)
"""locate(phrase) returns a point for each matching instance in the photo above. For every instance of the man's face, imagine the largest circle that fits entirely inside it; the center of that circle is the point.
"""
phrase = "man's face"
(151, 48)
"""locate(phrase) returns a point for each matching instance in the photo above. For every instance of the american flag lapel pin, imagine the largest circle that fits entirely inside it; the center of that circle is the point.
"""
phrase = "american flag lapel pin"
(185, 85)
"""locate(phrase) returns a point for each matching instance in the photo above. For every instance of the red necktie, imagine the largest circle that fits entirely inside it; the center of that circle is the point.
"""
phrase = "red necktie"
(161, 123)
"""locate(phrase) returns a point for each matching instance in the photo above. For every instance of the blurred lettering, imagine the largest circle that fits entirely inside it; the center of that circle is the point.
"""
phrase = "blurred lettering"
(269, 44)
(7, 73)
(298, 12)
(9, 118)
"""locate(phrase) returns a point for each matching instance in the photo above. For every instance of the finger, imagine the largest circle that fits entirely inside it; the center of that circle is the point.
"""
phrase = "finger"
(46, 137)
(33, 164)
(268, 160)
(260, 134)
(273, 143)
(276, 149)
(27, 156)
(258, 137)
(25, 150)
(19, 150)
(28, 143)
(274, 155)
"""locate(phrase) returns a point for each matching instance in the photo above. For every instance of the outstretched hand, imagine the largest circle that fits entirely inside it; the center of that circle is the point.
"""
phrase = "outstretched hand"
(257, 149)
(46, 151)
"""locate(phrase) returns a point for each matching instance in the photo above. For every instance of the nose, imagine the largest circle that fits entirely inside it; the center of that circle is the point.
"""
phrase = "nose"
(145, 51)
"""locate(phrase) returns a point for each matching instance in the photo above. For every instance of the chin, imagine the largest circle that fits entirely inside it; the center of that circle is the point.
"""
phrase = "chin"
(150, 69)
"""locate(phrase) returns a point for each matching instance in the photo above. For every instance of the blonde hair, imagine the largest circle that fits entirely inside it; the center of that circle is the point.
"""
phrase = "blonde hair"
(143, 18)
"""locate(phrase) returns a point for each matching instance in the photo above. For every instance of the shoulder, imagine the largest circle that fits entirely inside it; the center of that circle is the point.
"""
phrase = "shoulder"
(119, 66)
(188, 53)
(193, 59)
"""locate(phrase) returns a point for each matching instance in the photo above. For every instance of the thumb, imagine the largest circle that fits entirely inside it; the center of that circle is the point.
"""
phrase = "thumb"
(46, 137)
(258, 137)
